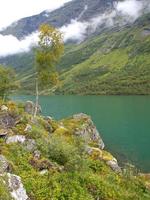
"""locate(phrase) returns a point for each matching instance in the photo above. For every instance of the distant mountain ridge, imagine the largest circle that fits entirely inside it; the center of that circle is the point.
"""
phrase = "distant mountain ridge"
(59, 17)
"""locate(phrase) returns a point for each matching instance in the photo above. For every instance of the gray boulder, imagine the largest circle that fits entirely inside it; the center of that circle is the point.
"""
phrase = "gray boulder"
(16, 138)
(16, 187)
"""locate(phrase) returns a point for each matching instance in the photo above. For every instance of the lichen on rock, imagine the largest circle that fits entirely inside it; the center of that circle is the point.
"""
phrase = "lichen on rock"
(85, 128)
(16, 187)
(4, 165)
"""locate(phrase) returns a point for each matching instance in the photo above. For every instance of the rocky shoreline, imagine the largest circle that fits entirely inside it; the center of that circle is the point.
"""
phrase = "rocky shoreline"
(19, 129)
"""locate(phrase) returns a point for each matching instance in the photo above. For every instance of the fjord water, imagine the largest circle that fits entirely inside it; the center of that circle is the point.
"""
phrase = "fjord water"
(123, 121)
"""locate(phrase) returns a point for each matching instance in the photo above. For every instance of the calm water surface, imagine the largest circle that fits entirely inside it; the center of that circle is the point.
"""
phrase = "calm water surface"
(123, 121)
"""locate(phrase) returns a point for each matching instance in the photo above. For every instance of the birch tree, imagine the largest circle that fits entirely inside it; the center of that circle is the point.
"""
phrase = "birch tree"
(47, 54)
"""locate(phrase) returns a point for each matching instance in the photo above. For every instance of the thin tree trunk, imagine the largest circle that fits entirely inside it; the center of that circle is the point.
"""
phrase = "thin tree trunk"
(4, 98)
(37, 97)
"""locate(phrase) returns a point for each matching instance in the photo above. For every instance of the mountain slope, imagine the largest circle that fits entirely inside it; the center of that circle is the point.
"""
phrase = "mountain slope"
(112, 63)
(112, 60)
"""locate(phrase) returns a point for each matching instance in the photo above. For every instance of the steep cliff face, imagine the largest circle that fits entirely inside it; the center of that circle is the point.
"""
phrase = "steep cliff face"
(42, 159)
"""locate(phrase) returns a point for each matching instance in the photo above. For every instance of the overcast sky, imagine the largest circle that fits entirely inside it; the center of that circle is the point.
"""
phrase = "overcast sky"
(12, 10)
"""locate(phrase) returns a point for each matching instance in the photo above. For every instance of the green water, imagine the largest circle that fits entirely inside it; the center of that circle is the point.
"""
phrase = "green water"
(123, 121)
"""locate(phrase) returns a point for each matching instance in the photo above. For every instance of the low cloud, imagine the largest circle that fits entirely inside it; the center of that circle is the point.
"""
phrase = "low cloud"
(107, 19)
(77, 30)
(74, 31)
(123, 12)
(130, 8)
(10, 45)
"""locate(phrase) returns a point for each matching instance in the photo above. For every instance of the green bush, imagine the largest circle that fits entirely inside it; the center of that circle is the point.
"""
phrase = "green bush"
(60, 151)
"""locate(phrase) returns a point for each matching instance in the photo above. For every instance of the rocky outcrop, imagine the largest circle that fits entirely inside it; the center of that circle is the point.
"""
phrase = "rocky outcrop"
(96, 153)
(88, 129)
(82, 125)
